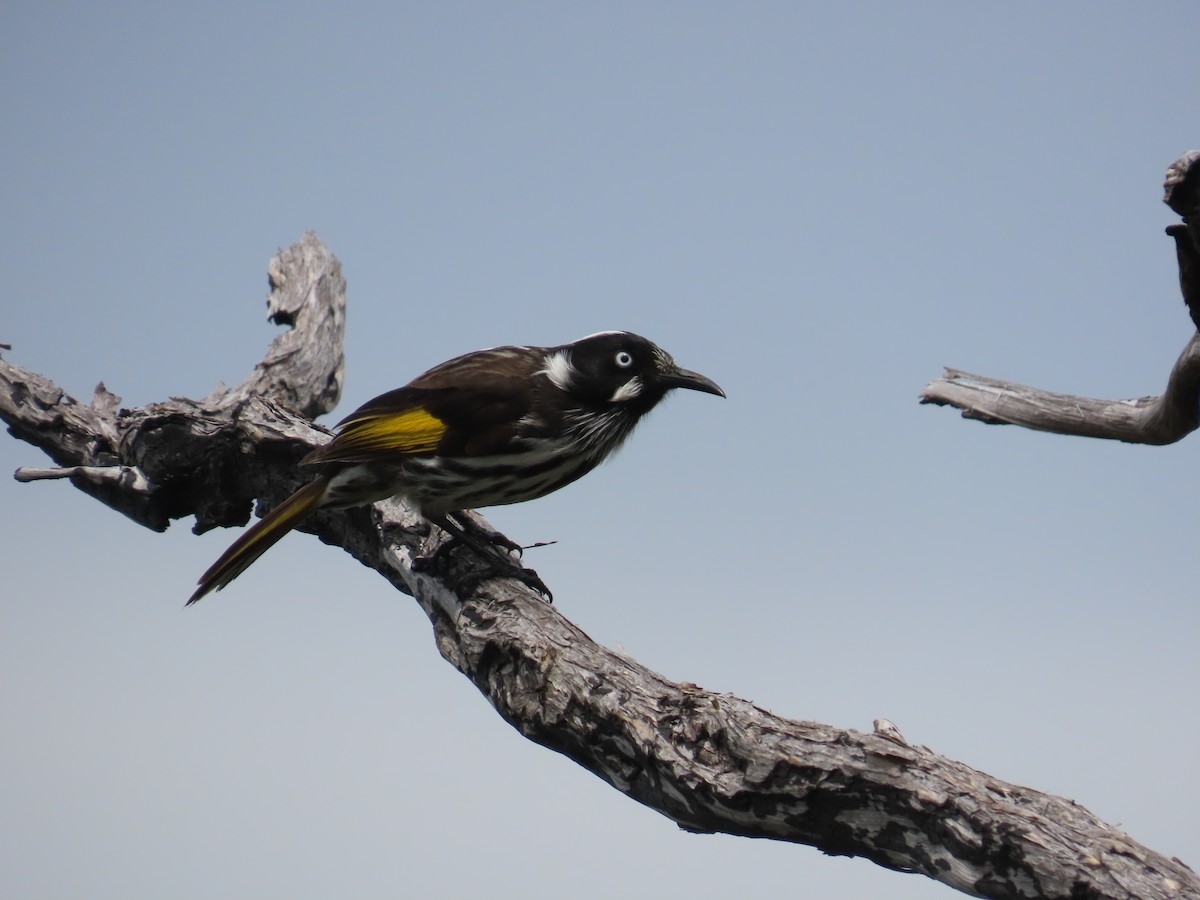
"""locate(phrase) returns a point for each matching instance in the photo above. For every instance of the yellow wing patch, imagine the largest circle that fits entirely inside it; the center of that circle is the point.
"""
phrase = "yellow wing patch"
(412, 431)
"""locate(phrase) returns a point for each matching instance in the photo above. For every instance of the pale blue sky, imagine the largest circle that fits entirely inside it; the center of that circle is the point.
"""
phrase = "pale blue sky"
(818, 206)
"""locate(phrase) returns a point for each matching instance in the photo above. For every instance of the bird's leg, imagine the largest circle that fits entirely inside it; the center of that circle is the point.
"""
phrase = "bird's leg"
(490, 545)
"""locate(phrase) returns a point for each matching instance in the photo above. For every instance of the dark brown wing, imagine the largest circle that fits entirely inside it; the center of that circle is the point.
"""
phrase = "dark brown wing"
(467, 406)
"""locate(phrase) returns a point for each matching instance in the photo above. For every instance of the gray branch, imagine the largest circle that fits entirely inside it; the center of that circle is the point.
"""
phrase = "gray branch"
(711, 762)
(1149, 420)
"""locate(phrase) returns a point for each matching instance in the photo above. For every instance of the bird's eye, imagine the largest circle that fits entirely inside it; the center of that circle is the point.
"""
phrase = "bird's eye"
(624, 359)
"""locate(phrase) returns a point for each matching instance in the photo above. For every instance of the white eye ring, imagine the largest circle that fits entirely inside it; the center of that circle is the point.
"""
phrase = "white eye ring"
(624, 359)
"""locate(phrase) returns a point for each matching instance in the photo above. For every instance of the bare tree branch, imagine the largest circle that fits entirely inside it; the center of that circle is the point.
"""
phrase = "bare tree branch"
(1149, 420)
(711, 762)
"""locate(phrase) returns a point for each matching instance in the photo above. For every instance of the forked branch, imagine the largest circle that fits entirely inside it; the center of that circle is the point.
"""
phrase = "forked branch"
(1149, 420)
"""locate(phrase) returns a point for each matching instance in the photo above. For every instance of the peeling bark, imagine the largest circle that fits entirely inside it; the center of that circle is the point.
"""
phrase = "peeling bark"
(1149, 420)
(711, 762)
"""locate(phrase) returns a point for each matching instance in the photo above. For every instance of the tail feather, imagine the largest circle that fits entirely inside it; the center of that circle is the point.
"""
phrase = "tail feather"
(259, 538)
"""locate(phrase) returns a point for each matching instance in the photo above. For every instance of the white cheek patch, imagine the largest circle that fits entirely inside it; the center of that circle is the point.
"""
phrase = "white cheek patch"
(630, 389)
(559, 370)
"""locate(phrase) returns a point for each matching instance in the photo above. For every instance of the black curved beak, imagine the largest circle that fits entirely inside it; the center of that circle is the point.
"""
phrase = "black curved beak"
(693, 381)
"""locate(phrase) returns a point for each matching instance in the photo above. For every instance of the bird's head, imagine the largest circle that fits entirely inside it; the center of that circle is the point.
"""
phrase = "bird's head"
(620, 369)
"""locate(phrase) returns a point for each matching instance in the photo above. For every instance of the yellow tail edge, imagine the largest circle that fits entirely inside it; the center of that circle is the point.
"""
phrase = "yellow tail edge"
(259, 538)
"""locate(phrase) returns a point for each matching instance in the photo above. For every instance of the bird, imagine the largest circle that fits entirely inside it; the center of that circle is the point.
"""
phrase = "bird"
(493, 427)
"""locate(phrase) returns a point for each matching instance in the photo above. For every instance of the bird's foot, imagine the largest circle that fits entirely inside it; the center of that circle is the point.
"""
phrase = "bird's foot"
(493, 549)
(523, 574)
(487, 566)
(488, 536)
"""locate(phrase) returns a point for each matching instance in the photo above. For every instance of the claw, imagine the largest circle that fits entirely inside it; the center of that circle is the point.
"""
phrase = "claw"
(530, 579)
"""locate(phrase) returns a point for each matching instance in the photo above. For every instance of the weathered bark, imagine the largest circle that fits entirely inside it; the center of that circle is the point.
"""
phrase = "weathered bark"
(711, 762)
(1149, 420)
(1181, 192)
